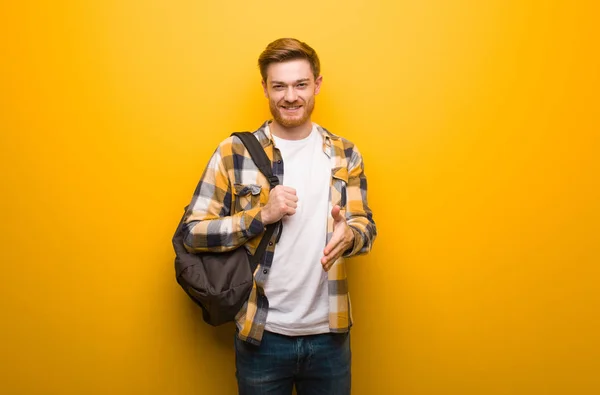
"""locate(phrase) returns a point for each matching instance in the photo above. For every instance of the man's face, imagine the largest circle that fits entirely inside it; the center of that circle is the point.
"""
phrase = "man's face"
(291, 88)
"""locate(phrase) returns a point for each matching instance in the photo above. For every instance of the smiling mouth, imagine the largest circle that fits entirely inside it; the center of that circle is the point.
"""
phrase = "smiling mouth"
(291, 108)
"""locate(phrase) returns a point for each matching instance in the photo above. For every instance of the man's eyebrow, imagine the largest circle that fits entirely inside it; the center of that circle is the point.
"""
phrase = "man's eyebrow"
(297, 81)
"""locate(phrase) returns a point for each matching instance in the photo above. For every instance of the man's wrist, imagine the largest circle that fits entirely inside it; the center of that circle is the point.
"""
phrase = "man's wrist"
(354, 235)
(264, 215)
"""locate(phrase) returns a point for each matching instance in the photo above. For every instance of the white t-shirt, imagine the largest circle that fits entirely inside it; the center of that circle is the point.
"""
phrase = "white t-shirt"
(297, 284)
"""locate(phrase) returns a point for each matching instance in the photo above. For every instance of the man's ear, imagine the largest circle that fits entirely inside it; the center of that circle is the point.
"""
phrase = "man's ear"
(264, 85)
(318, 82)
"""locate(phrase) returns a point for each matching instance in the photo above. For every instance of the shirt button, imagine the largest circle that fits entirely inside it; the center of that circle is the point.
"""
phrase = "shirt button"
(279, 161)
(270, 243)
(265, 271)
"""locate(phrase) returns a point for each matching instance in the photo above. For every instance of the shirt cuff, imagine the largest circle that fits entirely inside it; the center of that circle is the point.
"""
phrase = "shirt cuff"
(358, 243)
(252, 222)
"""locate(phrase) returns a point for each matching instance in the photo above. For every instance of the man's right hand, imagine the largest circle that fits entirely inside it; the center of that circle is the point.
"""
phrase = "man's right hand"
(282, 202)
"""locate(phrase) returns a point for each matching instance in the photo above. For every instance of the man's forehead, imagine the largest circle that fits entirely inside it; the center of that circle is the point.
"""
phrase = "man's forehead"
(290, 71)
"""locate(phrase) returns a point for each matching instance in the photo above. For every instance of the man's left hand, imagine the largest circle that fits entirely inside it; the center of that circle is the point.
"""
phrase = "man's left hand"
(341, 240)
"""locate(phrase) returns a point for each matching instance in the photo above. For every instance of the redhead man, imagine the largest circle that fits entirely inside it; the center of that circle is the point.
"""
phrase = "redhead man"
(294, 328)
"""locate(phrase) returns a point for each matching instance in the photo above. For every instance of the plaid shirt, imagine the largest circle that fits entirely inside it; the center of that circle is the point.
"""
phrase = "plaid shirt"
(225, 213)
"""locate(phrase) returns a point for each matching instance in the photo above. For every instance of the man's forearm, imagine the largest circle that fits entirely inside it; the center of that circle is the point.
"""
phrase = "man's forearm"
(223, 233)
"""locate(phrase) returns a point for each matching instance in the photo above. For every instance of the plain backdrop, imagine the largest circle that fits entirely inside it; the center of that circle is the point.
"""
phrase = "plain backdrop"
(478, 122)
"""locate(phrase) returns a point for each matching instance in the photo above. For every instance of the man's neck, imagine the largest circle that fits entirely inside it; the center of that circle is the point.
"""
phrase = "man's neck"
(294, 133)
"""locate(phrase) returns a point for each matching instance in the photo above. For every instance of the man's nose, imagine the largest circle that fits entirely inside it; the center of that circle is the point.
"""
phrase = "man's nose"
(290, 94)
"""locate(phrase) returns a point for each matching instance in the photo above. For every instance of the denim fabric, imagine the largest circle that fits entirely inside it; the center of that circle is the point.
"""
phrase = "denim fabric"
(315, 364)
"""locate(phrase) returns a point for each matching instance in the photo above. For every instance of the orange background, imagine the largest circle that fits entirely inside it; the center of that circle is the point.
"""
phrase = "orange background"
(479, 126)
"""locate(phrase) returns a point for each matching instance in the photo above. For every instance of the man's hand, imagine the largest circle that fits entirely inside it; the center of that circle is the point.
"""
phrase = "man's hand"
(282, 202)
(341, 240)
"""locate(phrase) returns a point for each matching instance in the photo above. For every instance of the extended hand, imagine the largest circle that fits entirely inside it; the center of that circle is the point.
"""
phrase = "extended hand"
(341, 240)
(282, 201)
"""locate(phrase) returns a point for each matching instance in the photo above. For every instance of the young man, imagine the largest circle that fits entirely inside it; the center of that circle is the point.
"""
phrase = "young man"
(294, 329)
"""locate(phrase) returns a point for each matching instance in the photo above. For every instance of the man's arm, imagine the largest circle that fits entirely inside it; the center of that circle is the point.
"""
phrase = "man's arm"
(354, 232)
(210, 225)
(358, 214)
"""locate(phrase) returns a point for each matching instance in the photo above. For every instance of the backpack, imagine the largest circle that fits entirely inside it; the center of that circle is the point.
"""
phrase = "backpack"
(220, 283)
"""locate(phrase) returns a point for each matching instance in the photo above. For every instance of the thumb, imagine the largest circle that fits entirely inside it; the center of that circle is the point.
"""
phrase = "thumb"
(335, 213)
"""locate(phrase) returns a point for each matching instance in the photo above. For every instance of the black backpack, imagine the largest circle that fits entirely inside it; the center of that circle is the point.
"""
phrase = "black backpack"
(220, 283)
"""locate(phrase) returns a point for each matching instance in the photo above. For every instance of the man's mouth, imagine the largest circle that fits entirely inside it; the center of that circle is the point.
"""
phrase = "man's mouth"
(291, 108)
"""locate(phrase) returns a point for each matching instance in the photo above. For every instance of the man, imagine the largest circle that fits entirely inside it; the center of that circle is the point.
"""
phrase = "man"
(294, 329)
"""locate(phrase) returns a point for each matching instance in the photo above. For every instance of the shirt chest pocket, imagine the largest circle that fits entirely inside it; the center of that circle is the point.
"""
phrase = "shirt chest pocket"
(339, 183)
(246, 196)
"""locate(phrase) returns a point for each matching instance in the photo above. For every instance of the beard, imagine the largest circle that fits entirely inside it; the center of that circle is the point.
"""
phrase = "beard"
(293, 121)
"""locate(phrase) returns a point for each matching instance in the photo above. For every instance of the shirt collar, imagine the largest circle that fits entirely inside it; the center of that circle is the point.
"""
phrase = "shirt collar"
(265, 137)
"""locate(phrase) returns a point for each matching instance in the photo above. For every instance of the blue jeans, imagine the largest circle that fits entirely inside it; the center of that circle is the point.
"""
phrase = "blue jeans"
(316, 364)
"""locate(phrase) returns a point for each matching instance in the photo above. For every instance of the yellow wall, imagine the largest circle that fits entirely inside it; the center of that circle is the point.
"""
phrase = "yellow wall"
(484, 279)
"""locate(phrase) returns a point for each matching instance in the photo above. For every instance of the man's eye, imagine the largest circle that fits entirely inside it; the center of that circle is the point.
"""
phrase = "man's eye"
(277, 87)
(302, 85)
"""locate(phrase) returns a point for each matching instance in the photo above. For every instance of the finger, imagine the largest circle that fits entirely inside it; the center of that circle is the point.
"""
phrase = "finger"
(335, 240)
(289, 190)
(329, 263)
(290, 211)
(326, 261)
(335, 248)
(286, 206)
(335, 213)
(335, 253)
(291, 197)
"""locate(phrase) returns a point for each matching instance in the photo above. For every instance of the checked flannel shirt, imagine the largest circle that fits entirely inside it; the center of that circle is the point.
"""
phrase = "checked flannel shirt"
(225, 213)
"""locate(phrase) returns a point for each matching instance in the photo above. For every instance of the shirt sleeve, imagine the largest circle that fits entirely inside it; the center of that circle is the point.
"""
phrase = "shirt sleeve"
(209, 224)
(359, 216)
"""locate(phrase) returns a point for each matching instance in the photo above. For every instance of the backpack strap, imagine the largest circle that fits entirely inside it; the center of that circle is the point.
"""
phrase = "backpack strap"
(260, 158)
(258, 155)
